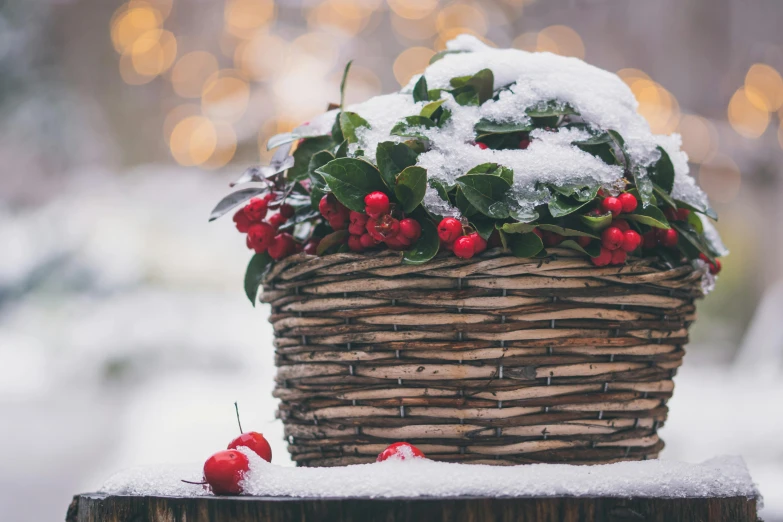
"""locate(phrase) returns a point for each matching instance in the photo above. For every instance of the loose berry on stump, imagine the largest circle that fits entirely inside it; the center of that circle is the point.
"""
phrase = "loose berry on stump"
(602, 259)
(612, 238)
(479, 245)
(224, 470)
(276, 220)
(411, 229)
(613, 205)
(260, 237)
(619, 256)
(254, 441)
(376, 204)
(355, 243)
(449, 229)
(311, 247)
(241, 221)
(464, 247)
(256, 209)
(631, 240)
(668, 238)
(400, 451)
(282, 246)
(628, 202)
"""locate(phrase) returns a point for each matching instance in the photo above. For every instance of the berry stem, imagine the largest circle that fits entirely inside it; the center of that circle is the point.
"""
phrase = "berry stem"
(194, 483)
(236, 407)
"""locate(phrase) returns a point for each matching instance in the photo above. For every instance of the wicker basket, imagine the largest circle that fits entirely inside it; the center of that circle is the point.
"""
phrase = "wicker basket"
(493, 360)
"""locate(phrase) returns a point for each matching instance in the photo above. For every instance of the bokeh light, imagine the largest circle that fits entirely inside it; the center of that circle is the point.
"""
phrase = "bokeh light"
(342, 16)
(225, 146)
(526, 42)
(129, 74)
(193, 140)
(244, 17)
(177, 114)
(459, 18)
(225, 95)
(129, 23)
(657, 105)
(720, 178)
(747, 114)
(413, 9)
(562, 40)
(261, 57)
(191, 71)
(766, 83)
(153, 52)
(363, 84)
(414, 29)
(699, 138)
(411, 61)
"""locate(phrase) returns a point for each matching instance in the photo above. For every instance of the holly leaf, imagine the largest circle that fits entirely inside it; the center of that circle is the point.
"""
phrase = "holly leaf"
(485, 193)
(692, 244)
(650, 215)
(234, 199)
(431, 108)
(493, 169)
(524, 245)
(426, 247)
(485, 126)
(350, 180)
(664, 196)
(420, 90)
(349, 122)
(410, 127)
(392, 159)
(256, 269)
(661, 173)
(338, 237)
(410, 187)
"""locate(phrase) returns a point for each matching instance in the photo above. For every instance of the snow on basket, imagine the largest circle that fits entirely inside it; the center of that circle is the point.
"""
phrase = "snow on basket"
(498, 264)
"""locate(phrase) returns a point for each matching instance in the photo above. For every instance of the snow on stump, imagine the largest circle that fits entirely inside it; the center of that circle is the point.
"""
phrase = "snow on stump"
(420, 489)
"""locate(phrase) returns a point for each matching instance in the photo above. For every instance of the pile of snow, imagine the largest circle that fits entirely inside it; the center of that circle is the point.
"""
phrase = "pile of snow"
(718, 477)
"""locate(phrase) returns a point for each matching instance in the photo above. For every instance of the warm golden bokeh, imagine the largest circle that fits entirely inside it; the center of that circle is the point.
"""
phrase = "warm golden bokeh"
(177, 114)
(261, 57)
(562, 40)
(766, 83)
(411, 61)
(153, 52)
(328, 16)
(414, 29)
(225, 95)
(699, 138)
(162, 6)
(720, 178)
(747, 115)
(225, 146)
(363, 84)
(244, 17)
(191, 71)
(657, 105)
(129, 23)
(193, 140)
(526, 42)
(459, 18)
(413, 9)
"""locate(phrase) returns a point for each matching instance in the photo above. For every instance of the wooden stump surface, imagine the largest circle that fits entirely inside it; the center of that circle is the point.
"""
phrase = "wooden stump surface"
(95, 507)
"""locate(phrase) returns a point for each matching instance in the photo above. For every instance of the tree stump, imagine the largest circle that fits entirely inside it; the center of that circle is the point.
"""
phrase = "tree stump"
(94, 507)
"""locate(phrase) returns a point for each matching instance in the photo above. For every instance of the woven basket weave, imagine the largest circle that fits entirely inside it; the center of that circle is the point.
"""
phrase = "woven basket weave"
(494, 360)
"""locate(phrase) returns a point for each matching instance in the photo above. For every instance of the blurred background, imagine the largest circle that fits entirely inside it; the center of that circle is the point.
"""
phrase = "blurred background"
(125, 335)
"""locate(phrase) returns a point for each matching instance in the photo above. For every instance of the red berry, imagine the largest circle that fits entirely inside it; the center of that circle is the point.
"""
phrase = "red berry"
(367, 240)
(619, 257)
(538, 232)
(400, 451)
(282, 246)
(260, 236)
(714, 267)
(225, 470)
(286, 210)
(583, 241)
(410, 228)
(628, 202)
(631, 240)
(276, 220)
(482, 146)
(602, 259)
(328, 205)
(338, 221)
(447, 246)
(271, 196)
(372, 229)
(612, 238)
(388, 226)
(682, 214)
(358, 220)
(256, 209)
(551, 238)
(649, 239)
(464, 247)
(668, 238)
(354, 243)
(612, 204)
(376, 203)
(525, 143)
(398, 242)
(449, 229)
(242, 221)
(479, 245)
(670, 213)
(621, 224)
(255, 442)
(311, 246)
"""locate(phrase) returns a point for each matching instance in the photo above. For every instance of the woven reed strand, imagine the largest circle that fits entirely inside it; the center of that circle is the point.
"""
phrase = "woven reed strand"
(495, 360)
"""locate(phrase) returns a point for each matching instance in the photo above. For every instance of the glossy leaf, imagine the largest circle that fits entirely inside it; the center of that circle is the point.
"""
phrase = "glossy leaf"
(256, 269)
(644, 186)
(410, 187)
(440, 54)
(349, 122)
(485, 126)
(337, 237)
(429, 110)
(650, 215)
(482, 83)
(411, 125)
(280, 161)
(234, 199)
(392, 159)
(318, 187)
(661, 173)
(692, 242)
(420, 90)
(516, 228)
(567, 232)
(524, 245)
(350, 180)
(304, 153)
(484, 227)
(426, 247)
(493, 169)
(486, 193)
(560, 205)
(707, 211)
(659, 192)
(597, 222)
(462, 203)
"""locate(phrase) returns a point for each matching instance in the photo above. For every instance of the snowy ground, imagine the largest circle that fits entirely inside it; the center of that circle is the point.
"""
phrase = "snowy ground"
(125, 338)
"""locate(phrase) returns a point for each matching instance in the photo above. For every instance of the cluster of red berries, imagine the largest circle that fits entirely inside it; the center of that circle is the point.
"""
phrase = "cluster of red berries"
(616, 241)
(262, 234)
(225, 470)
(523, 144)
(452, 236)
(374, 226)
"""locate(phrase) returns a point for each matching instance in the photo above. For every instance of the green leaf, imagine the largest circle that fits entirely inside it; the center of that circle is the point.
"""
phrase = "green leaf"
(350, 180)
(426, 247)
(486, 193)
(493, 169)
(523, 215)
(525, 245)
(551, 108)
(341, 150)
(661, 173)
(337, 237)
(695, 221)
(409, 126)
(256, 269)
(602, 151)
(392, 159)
(596, 137)
(516, 228)
(440, 54)
(644, 185)
(485, 126)
(441, 188)
(597, 222)
(560, 205)
(484, 227)
(462, 203)
(420, 90)
(482, 83)
(342, 83)
(303, 154)
(650, 215)
(592, 250)
(349, 122)
(693, 244)
(707, 211)
(580, 193)
(568, 232)
(467, 97)
(318, 187)
(664, 196)
(410, 187)
(428, 110)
